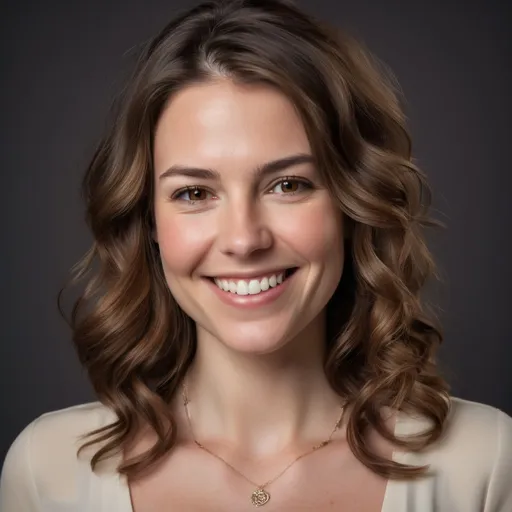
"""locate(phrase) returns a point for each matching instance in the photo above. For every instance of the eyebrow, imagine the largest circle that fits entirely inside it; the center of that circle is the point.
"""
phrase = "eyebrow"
(263, 170)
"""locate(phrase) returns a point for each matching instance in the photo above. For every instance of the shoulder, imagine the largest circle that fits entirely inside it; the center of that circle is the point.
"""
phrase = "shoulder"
(470, 426)
(473, 458)
(42, 461)
(469, 421)
(479, 430)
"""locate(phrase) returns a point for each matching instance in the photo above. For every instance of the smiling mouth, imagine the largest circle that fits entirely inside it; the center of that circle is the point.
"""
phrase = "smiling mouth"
(253, 286)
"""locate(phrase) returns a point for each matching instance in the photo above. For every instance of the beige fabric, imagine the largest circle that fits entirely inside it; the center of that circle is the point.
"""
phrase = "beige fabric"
(471, 467)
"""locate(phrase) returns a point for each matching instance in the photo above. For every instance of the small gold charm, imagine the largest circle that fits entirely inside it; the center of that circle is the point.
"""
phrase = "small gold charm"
(259, 497)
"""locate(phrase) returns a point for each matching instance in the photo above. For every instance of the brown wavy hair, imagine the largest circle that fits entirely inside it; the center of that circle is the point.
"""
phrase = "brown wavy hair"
(135, 341)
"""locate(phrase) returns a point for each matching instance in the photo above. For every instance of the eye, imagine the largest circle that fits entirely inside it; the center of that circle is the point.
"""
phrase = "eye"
(289, 186)
(191, 194)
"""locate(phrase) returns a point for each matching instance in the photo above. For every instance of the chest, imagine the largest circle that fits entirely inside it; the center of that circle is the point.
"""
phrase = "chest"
(193, 480)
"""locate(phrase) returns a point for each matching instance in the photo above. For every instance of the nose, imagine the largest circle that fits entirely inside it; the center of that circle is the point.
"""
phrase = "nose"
(243, 230)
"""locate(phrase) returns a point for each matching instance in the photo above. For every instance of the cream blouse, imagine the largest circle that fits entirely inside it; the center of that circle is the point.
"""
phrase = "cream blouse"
(471, 466)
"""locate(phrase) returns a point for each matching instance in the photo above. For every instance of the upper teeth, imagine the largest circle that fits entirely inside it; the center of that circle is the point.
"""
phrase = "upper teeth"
(250, 287)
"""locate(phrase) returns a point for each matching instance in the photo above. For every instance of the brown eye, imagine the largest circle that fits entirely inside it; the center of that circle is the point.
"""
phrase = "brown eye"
(197, 194)
(289, 186)
(192, 194)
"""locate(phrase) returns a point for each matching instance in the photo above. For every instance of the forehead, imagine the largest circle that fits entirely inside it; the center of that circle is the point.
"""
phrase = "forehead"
(222, 124)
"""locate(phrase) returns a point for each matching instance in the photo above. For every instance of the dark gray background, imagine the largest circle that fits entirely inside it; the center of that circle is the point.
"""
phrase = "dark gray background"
(62, 62)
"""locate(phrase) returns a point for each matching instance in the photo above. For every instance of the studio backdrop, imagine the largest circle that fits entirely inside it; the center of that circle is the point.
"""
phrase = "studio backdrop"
(62, 63)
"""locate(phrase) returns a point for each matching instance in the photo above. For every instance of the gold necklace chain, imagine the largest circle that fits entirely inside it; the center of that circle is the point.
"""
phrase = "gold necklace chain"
(260, 496)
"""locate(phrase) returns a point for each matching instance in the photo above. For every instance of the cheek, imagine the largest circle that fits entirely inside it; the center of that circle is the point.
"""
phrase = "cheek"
(315, 231)
(182, 241)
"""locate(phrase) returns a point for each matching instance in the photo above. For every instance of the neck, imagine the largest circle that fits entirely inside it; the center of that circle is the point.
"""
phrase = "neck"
(263, 403)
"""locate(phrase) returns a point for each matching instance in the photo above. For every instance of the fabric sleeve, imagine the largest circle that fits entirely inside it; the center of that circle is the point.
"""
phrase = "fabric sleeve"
(18, 491)
(499, 494)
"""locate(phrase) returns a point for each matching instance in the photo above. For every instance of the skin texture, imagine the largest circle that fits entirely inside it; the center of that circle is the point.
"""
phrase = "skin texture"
(242, 223)
(259, 396)
(246, 223)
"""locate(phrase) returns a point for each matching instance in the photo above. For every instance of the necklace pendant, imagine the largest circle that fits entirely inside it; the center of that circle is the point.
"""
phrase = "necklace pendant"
(259, 497)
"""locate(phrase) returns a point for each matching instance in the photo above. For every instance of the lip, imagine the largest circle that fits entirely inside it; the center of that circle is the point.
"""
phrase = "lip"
(257, 274)
(250, 301)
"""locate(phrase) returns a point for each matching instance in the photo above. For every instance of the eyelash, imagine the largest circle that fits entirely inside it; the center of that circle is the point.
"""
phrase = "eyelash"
(307, 184)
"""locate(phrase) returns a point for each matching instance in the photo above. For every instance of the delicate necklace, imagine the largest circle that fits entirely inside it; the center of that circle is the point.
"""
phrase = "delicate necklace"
(260, 496)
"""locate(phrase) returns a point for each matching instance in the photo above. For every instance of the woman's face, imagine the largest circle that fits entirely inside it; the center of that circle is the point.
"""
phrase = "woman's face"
(240, 207)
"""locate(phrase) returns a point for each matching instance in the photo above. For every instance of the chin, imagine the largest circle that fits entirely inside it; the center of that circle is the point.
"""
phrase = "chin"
(252, 337)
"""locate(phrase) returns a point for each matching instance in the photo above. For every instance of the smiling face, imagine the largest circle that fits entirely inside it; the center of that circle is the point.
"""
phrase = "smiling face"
(251, 242)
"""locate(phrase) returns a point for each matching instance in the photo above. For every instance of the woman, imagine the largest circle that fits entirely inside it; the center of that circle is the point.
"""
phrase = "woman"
(252, 321)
